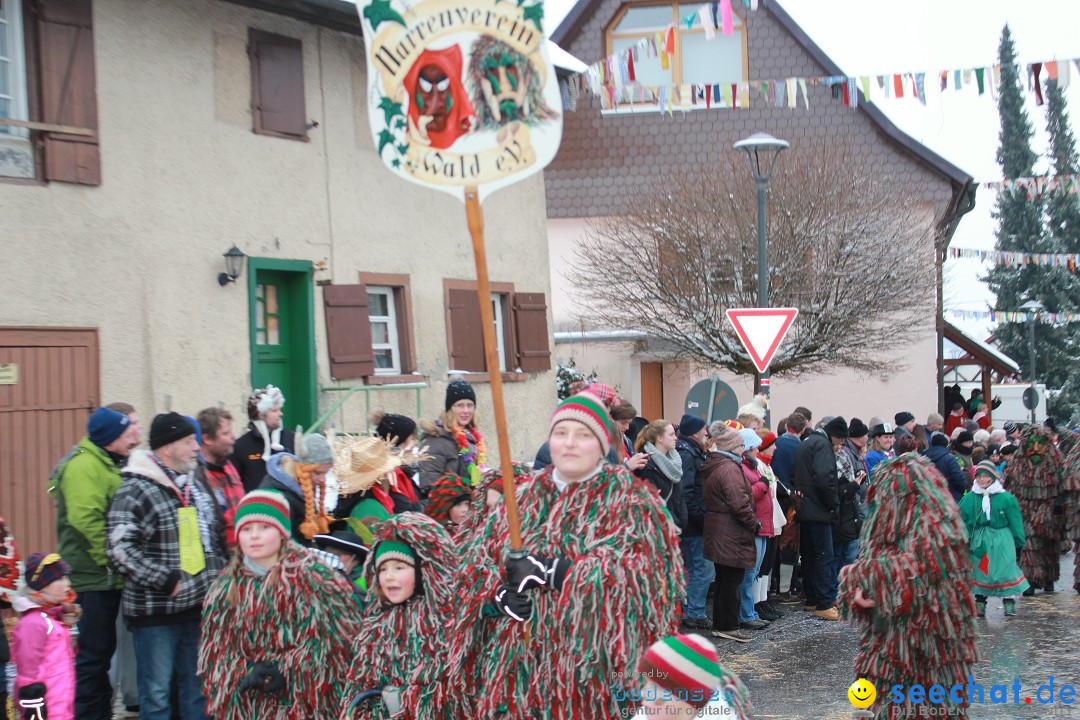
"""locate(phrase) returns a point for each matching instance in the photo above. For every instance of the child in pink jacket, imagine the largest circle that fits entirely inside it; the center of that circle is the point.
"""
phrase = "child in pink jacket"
(41, 643)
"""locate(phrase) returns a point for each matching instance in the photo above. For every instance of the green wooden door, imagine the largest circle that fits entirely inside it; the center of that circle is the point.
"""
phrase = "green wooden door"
(282, 334)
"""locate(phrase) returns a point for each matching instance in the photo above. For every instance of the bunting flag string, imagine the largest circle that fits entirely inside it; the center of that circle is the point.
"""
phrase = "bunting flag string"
(613, 79)
(1000, 316)
(1019, 259)
(1039, 185)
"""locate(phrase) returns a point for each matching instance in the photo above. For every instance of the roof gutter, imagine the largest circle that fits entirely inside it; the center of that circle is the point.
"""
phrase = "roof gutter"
(574, 336)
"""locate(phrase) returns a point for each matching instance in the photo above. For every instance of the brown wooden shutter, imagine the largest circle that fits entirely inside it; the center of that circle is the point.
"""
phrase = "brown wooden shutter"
(466, 334)
(348, 331)
(530, 320)
(277, 78)
(68, 89)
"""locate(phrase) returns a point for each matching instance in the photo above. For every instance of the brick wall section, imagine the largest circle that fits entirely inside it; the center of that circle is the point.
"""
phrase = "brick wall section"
(603, 161)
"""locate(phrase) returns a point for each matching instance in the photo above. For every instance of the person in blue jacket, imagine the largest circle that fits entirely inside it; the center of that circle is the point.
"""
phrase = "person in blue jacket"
(938, 453)
(783, 459)
(881, 446)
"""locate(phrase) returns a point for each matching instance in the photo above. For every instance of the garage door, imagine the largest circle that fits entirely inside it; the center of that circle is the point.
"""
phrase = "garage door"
(48, 387)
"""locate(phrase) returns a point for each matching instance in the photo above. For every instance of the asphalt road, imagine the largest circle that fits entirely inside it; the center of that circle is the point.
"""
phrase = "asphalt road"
(800, 667)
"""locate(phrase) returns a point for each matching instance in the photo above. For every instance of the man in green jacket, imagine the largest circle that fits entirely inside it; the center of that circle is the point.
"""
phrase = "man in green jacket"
(84, 485)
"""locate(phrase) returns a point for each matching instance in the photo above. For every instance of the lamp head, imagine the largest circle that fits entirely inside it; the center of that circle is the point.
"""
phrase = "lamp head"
(234, 265)
(762, 149)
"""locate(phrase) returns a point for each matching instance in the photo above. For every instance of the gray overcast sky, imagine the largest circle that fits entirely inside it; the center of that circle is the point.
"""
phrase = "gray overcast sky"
(869, 37)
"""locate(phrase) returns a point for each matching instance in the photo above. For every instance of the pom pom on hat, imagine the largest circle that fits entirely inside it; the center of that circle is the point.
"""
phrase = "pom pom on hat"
(588, 410)
(105, 425)
(268, 507)
(43, 569)
(687, 665)
(459, 389)
(726, 438)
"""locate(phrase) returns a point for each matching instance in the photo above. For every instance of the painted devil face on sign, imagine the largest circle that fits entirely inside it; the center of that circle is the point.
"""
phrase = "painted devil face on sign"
(439, 108)
(433, 96)
(506, 86)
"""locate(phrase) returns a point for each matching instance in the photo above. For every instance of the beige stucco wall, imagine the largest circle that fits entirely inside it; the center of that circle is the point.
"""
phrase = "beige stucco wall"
(185, 177)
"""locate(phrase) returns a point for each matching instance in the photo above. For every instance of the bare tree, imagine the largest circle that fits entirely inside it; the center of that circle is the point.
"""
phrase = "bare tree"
(846, 247)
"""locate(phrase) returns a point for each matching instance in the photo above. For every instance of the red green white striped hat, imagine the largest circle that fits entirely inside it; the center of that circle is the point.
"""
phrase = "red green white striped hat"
(265, 506)
(588, 410)
(686, 665)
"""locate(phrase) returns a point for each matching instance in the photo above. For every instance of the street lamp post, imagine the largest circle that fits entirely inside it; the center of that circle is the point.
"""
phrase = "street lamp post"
(762, 150)
(1033, 307)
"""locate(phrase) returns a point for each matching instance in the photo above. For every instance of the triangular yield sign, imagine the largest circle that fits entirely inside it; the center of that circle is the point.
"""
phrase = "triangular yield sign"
(761, 331)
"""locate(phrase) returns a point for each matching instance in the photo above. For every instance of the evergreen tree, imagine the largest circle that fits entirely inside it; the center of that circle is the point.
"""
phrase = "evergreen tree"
(1021, 229)
(1063, 216)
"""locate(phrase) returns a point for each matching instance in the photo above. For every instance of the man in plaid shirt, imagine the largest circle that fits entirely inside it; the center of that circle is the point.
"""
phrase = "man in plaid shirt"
(166, 535)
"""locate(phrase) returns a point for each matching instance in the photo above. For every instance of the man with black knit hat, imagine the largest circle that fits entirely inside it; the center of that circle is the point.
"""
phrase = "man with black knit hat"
(83, 485)
(700, 573)
(962, 447)
(816, 480)
(166, 535)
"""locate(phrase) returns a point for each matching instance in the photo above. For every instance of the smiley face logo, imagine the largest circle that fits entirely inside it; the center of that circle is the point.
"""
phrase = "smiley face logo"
(862, 693)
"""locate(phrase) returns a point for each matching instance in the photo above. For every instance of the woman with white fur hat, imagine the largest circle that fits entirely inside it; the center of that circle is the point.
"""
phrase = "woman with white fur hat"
(266, 435)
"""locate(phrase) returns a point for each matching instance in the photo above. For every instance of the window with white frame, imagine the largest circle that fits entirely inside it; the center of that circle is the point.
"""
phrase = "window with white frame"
(384, 330)
(497, 300)
(16, 152)
(12, 69)
(697, 60)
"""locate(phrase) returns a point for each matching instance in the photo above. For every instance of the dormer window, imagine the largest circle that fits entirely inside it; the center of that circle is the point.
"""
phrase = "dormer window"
(696, 60)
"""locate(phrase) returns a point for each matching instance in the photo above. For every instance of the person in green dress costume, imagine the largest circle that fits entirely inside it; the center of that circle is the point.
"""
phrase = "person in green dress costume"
(995, 535)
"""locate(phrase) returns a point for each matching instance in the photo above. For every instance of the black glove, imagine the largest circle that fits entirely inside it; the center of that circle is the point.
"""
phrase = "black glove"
(32, 702)
(528, 571)
(264, 677)
(514, 605)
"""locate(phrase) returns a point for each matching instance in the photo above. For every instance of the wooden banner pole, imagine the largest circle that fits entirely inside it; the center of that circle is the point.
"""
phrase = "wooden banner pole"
(475, 215)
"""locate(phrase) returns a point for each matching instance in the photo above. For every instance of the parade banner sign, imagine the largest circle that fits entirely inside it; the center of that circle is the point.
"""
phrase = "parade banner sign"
(461, 93)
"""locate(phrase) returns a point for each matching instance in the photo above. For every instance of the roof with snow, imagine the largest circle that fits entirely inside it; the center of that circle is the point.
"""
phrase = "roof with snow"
(982, 351)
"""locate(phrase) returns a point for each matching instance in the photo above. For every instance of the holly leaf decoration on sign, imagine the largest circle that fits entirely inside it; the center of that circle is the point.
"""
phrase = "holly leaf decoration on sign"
(385, 138)
(536, 14)
(390, 109)
(379, 11)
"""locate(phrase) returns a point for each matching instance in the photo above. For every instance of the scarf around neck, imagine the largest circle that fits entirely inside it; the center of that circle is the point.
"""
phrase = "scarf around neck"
(670, 464)
(992, 489)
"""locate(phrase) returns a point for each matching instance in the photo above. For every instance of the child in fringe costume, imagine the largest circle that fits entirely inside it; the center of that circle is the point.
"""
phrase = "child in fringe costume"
(909, 589)
(450, 503)
(558, 632)
(1036, 476)
(401, 651)
(277, 625)
(684, 679)
(996, 532)
(1072, 504)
